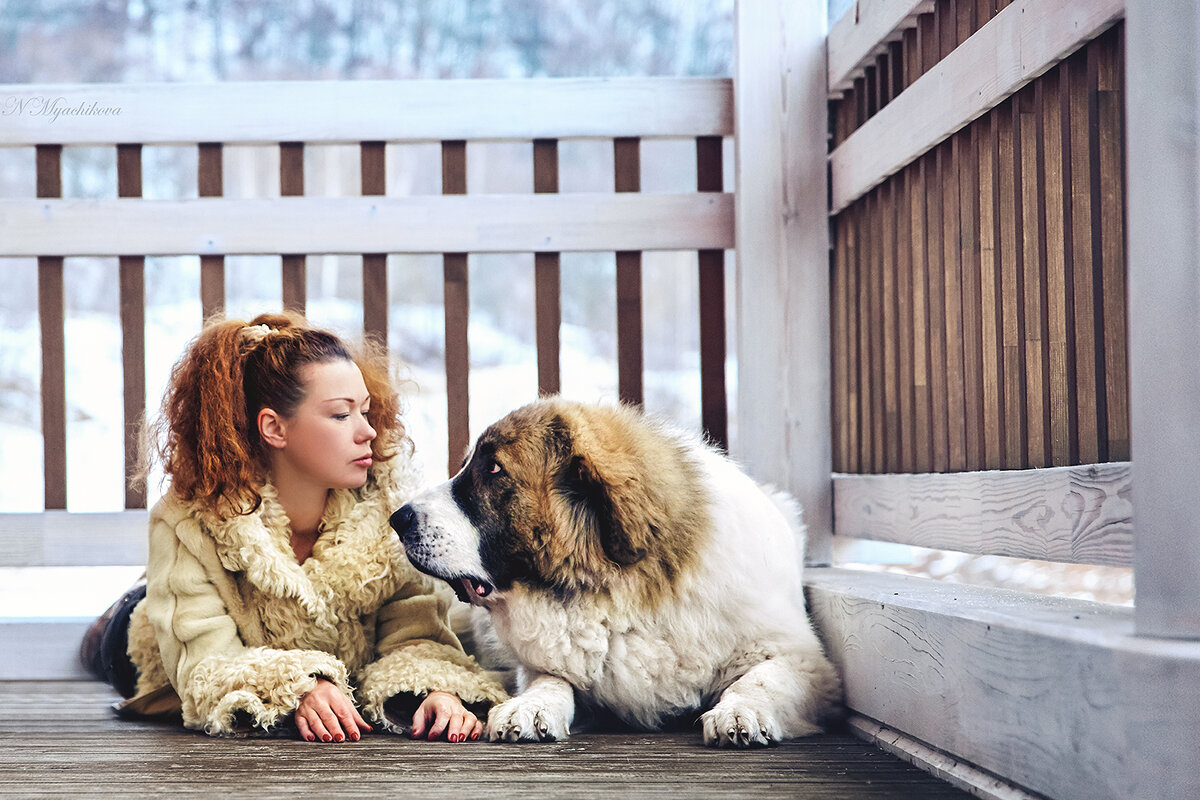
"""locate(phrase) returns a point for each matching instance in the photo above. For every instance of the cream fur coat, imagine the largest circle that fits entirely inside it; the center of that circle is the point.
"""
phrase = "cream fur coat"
(233, 631)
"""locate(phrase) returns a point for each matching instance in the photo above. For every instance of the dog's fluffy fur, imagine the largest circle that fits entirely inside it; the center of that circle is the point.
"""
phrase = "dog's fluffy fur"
(633, 566)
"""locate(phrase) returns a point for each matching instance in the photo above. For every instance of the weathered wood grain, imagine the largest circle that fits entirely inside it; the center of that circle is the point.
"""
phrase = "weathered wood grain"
(1059, 696)
(1020, 43)
(348, 112)
(1072, 514)
(62, 740)
(325, 225)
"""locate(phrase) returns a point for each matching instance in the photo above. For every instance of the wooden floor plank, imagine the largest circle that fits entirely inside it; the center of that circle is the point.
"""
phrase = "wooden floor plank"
(61, 739)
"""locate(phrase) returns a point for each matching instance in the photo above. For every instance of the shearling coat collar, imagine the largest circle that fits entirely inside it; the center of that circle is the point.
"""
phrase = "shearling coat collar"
(354, 564)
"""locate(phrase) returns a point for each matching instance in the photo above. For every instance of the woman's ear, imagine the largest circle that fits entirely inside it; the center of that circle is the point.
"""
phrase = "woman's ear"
(272, 428)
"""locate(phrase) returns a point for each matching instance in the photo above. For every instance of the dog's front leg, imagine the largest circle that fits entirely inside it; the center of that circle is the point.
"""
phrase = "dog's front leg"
(542, 712)
(779, 698)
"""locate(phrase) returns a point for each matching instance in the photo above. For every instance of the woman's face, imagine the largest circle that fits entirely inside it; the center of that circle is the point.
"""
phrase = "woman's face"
(327, 441)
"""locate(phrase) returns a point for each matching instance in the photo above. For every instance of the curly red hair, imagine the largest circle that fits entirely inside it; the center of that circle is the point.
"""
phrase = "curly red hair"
(207, 435)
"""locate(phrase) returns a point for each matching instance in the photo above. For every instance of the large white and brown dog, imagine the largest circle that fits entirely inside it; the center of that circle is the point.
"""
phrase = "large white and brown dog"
(633, 567)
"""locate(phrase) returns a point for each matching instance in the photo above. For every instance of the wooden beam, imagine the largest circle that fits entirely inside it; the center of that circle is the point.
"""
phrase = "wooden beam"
(348, 112)
(783, 338)
(1058, 696)
(1017, 45)
(326, 225)
(863, 33)
(1080, 515)
(1164, 201)
(67, 539)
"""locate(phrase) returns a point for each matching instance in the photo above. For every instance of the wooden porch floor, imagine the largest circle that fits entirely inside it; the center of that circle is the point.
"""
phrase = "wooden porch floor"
(60, 739)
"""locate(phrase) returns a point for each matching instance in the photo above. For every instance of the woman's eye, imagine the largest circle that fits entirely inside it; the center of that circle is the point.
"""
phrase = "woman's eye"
(341, 416)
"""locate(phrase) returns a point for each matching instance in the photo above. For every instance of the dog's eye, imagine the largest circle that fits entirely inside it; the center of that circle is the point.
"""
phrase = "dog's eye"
(493, 467)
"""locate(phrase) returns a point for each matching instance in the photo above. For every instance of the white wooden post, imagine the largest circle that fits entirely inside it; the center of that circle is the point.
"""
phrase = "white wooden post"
(783, 254)
(1163, 82)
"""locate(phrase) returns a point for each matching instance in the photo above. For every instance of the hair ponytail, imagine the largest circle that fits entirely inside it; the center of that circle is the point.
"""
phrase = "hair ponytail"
(207, 435)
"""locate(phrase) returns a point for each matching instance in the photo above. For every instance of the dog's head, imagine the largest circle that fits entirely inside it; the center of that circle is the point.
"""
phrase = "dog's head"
(559, 497)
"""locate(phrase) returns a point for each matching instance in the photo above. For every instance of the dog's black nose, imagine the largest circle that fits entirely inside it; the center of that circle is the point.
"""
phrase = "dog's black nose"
(404, 520)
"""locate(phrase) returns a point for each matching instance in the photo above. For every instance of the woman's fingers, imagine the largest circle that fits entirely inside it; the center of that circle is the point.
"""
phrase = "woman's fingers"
(302, 726)
(332, 727)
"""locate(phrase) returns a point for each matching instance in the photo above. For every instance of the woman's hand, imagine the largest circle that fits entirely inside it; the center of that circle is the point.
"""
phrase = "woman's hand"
(327, 715)
(442, 712)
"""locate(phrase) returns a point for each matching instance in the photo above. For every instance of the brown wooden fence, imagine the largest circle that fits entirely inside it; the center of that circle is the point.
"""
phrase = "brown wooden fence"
(978, 295)
(295, 225)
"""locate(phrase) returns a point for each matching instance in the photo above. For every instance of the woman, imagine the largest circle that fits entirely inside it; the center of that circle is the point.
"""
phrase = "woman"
(276, 594)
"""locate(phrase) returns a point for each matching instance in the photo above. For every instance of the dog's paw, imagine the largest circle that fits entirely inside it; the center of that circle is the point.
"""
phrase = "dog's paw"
(736, 723)
(520, 720)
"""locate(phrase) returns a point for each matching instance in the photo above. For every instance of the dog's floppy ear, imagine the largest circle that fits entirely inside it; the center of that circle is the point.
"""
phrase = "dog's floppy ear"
(623, 543)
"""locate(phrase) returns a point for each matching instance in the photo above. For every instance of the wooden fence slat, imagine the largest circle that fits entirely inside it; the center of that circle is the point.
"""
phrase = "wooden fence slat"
(866, 408)
(547, 269)
(840, 357)
(920, 321)
(938, 331)
(952, 314)
(628, 171)
(457, 310)
(966, 147)
(890, 324)
(1060, 347)
(132, 293)
(714, 413)
(211, 183)
(373, 177)
(291, 184)
(1012, 287)
(991, 293)
(51, 318)
(904, 328)
(851, 313)
(1110, 110)
(876, 331)
(1033, 243)
(1087, 286)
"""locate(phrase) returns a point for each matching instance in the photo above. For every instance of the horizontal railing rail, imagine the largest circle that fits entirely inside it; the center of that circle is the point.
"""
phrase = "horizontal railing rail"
(356, 111)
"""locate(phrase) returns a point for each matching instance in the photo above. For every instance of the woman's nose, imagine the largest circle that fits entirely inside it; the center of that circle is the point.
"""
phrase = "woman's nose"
(366, 432)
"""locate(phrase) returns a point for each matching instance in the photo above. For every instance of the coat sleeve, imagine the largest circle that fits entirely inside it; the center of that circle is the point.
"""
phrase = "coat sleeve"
(418, 653)
(225, 686)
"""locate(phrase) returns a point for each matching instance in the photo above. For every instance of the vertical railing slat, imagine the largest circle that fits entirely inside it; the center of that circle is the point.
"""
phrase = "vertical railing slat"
(457, 310)
(132, 291)
(211, 183)
(547, 269)
(291, 184)
(51, 313)
(373, 169)
(1110, 109)
(1033, 243)
(627, 173)
(714, 414)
